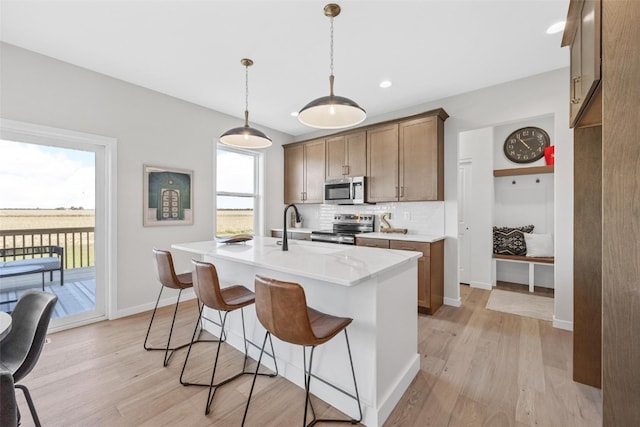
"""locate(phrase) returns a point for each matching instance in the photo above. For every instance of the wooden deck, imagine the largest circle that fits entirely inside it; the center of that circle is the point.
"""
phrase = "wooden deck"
(77, 295)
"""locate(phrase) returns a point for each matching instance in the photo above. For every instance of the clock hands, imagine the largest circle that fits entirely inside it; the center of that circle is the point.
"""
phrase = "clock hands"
(524, 143)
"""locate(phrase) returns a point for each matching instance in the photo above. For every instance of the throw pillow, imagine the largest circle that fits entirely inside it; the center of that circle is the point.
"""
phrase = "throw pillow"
(539, 245)
(509, 240)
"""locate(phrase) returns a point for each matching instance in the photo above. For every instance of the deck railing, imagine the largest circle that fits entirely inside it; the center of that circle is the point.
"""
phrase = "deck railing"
(78, 242)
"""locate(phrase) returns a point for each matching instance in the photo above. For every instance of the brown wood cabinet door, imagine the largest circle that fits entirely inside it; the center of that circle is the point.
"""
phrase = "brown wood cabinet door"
(347, 155)
(424, 282)
(336, 153)
(585, 59)
(436, 262)
(314, 156)
(293, 174)
(418, 163)
(382, 164)
(590, 48)
(424, 268)
(575, 64)
(372, 243)
(356, 154)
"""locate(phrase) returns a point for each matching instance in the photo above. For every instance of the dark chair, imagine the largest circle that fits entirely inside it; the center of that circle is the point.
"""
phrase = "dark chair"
(8, 405)
(226, 300)
(20, 350)
(169, 279)
(282, 309)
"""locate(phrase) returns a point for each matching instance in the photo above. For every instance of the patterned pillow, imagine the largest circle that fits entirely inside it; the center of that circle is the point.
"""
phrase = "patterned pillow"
(510, 240)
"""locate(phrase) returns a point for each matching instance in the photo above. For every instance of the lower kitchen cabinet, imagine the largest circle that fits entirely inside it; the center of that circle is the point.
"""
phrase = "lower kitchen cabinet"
(430, 268)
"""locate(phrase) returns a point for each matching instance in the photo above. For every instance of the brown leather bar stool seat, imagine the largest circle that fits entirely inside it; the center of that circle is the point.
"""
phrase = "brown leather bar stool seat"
(282, 309)
(168, 279)
(207, 288)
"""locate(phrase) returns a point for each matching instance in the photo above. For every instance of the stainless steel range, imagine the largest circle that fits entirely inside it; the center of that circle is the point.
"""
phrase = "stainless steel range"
(345, 229)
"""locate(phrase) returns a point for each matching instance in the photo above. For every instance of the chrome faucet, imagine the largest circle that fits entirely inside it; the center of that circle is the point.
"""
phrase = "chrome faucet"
(285, 246)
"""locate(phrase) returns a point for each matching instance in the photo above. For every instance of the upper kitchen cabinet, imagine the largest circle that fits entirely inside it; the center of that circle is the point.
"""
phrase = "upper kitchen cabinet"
(304, 166)
(347, 155)
(382, 163)
(583, 33)
(405, 159)
(421, 159)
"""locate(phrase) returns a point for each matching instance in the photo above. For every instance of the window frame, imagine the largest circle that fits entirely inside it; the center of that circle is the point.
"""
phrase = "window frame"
(258, 208)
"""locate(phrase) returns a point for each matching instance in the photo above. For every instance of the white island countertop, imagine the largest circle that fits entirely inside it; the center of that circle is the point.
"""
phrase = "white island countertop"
(425, 238)
(341, 264)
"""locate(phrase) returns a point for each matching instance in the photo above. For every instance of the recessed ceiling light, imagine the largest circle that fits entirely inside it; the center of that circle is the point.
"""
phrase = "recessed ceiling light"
(556, 28)
(294, 114)
(385, 84)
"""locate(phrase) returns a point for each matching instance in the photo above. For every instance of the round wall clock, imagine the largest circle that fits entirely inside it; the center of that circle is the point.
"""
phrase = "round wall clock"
(526, 145)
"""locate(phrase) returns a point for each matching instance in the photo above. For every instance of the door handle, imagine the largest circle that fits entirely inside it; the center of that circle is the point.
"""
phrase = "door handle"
(574, 98)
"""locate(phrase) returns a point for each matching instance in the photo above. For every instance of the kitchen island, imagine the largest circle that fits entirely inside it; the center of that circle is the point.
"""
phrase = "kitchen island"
(376, 288)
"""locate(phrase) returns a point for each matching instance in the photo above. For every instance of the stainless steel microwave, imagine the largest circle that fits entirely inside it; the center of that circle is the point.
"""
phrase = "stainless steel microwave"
(346, 191)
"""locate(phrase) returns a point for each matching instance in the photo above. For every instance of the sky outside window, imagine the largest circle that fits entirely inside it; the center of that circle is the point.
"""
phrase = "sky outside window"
(45, 177)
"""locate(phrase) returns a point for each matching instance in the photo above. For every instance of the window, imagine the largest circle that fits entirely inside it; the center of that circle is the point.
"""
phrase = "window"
(237, 191)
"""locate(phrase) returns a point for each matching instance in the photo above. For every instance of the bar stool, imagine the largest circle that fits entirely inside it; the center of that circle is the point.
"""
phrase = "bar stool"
(169, 279)
(207, 288)
(282, 309)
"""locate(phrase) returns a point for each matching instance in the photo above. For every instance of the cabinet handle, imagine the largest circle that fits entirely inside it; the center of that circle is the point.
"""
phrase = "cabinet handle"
(302, 195)
(574, 99)
(396, 192)
(402, 191)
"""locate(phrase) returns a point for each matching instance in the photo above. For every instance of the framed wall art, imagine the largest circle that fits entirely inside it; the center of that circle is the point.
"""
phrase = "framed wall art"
(168, 196)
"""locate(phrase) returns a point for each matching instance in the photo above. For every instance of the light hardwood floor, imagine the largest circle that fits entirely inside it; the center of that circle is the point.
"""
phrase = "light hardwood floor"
(478, 368)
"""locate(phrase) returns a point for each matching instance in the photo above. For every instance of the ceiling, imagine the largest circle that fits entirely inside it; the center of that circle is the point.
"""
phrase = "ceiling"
(192, 49)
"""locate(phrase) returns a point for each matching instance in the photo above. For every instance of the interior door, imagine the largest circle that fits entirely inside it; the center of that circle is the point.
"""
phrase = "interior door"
(464, 232)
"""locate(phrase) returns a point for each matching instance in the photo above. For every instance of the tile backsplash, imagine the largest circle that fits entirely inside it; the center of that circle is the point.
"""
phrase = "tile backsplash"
(416, 217)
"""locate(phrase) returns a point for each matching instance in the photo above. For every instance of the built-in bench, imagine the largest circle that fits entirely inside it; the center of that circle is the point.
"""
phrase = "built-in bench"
(33, 259)
(532, 261)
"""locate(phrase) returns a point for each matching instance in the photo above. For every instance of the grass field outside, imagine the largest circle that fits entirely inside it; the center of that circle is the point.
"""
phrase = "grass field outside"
(234, 221)
(79, 247)
(229, 221)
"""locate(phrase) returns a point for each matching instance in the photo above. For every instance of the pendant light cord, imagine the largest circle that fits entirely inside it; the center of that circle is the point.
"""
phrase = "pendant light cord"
(331, 50)
(246, 95)
(331, 78)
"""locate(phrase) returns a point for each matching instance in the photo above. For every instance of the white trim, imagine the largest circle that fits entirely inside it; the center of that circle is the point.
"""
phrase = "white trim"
(453, 302)
(562, 324)
(106, 197)
(130, 311)
(481, 285)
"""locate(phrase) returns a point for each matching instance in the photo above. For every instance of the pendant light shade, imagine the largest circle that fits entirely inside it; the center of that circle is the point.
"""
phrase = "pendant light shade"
(331, 112)
(246, 136)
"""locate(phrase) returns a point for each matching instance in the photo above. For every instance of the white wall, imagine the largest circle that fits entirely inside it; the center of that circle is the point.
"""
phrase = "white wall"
(151, 128)
(541, 95)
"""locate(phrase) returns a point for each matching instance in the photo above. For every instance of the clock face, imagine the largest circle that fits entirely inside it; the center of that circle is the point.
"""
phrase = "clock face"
(526, 145)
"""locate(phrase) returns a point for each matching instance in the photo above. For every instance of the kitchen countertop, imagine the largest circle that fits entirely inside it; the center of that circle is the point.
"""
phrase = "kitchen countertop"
(341, 264)
(425, 238)
(295, 230)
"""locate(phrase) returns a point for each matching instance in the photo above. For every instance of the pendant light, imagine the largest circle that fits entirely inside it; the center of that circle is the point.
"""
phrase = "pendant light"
(246, 136)
(331, 112)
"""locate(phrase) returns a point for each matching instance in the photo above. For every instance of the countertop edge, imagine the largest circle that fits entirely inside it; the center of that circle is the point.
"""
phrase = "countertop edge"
(425, 238)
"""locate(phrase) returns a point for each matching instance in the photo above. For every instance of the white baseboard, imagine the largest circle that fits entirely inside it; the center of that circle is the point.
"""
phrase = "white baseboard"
(453, 302)
(186, 296)
(562, 324)
(481, 285)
